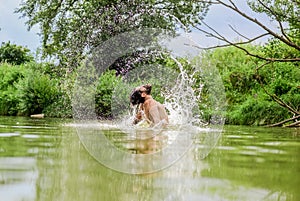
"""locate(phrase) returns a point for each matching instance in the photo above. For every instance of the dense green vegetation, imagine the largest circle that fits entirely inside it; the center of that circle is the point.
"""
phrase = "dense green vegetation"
(247, 89)
(29, 89)
(32, 88)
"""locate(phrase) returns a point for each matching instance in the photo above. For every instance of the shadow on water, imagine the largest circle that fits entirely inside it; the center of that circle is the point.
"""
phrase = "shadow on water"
(44, 160)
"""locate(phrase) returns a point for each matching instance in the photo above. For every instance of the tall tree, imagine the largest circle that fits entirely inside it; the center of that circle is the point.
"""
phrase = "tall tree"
(70, 27)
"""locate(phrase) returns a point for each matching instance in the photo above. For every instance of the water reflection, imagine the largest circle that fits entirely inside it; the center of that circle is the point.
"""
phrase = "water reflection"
(22, 144)
(42, 160)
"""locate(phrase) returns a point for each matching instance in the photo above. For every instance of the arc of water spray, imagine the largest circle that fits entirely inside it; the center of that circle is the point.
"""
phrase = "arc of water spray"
(93, 138)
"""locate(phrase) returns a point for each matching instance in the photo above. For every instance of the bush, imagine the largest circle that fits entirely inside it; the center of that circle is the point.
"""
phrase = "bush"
(104, 91)
(256, 111)
(33, 88)
(9, 76)
(61, 107)
(8, 102)
(54, 71)
(36, 91)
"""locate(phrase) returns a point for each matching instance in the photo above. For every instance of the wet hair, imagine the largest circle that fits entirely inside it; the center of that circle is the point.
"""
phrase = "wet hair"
(136, 94)
(136, 97)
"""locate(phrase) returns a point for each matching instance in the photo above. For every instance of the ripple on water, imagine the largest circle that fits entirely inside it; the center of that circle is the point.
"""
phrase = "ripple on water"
(280, 143)
(33, 127)
(265, 150)
(30, 136)
(240, 136)
(9, 134)
(93, 125)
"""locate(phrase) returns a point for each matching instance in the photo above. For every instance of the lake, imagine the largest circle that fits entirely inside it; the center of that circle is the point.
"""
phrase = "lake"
(44, 159)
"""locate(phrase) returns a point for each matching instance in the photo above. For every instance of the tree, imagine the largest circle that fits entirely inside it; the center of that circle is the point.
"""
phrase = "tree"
(69, 29)
(14, 54)
(283, 45)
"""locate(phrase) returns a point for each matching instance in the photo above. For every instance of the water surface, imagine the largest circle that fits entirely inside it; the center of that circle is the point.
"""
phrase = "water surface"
(43, 160)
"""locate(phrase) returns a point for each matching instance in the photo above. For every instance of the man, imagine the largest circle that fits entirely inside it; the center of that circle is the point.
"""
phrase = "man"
(149, 109)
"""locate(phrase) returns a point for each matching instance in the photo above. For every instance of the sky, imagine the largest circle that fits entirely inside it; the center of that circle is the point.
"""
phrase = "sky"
(13, 28)
(220, 18)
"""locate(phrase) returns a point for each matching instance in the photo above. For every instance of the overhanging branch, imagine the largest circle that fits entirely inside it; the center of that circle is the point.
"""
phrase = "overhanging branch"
(215, 34)
(260, 24)
(274, 97)
(277, 19)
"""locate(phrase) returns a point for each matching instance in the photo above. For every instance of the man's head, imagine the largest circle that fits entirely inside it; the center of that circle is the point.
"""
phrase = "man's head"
(138, 95)
(146, 89)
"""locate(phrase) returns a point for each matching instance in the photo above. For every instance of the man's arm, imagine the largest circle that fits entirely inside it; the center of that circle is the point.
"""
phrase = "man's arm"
(138, 117)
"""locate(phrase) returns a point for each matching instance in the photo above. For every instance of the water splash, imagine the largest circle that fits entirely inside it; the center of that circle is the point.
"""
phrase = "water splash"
(181, 98)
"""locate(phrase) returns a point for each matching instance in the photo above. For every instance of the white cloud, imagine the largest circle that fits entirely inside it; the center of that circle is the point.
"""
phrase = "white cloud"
(220, 18)
(13, 27)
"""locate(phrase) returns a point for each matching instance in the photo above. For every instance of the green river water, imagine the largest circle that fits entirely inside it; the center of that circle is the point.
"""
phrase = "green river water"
(44, 160)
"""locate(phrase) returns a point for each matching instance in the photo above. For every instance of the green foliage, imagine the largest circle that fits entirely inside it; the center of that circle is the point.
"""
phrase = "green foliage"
(236, 70)
(55, 89)
(60, 106)
(279, 50)
(9, 76)
(281, 10)
(68, 29)
(257, 109)
(36, 91)
(14, 54)
(286, 45)
(43, 88)
(104, 91)
(47, 68)
(29, 89)
(247, 101)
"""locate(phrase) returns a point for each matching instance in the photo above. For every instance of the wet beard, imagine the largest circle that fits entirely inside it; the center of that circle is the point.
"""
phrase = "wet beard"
(142, 100)
(136, 98)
